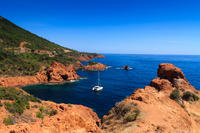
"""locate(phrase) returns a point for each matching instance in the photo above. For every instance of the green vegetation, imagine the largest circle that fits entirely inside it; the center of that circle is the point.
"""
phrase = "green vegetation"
(41, 108)
(132, 115)
(39, 115)
(14, 94)
(20, 100)
(34, 106)
(92, 63)
(43, 111)
(175, 95)
(8, 121)
(69, 105)
(127, 111)
(108, 122)
(53, 112)
(189, 96)
(15, 61)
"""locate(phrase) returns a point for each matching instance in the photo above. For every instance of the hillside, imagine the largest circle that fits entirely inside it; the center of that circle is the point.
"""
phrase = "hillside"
(24, 53)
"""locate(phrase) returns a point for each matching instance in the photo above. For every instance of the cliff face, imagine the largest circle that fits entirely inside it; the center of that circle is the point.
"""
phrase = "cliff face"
(56, 73)
(95, 67)
(169, 104)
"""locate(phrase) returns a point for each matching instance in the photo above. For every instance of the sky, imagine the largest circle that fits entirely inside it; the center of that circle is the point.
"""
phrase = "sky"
(112, 26)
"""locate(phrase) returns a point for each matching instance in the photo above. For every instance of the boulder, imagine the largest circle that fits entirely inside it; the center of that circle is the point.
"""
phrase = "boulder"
(126, 67)
(95, 67)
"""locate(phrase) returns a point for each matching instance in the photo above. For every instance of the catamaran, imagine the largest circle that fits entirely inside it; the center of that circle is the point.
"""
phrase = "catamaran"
(98, 87)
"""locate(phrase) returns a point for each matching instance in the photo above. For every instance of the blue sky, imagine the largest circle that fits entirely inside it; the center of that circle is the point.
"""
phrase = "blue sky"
(112, 26)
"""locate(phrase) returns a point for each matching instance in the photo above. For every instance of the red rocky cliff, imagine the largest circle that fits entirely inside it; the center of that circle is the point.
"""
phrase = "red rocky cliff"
(56, 73)
(151, 110)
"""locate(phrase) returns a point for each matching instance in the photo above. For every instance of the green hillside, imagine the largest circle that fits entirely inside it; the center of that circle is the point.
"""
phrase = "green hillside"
(23, 53)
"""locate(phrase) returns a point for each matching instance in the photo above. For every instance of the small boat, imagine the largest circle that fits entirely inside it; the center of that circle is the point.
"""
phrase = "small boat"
(98, 87)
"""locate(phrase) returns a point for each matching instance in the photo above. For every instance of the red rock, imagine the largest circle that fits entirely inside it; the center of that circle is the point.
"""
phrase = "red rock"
(95, 67)
(158, 113)
(126, 67)
(57, 73)
(161, 84)
(170, 72)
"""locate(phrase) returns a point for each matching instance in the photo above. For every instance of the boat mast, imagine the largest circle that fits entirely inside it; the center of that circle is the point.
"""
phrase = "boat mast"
(99, 79)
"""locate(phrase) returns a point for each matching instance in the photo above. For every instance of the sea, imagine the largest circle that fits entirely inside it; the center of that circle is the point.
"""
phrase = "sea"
(117, 82)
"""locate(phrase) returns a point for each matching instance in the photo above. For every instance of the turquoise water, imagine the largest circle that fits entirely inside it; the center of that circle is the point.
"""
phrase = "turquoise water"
(117, 83)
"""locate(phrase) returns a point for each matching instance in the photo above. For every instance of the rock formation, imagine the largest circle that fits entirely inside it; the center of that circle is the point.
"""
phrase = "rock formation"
(56, 73)
(126, 67)
(95, 67)
(169, 105)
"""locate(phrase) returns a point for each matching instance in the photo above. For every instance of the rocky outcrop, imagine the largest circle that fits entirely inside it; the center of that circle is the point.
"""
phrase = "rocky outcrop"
(95, 67)
(86, 57)
(56, 73)
(153, 109)
(67, 119)
(126, 67)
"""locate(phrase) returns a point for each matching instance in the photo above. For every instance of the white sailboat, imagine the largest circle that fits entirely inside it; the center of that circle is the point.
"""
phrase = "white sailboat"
(98, 87)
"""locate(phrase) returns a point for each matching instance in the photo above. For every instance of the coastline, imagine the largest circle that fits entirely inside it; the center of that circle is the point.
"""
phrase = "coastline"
(56, 74)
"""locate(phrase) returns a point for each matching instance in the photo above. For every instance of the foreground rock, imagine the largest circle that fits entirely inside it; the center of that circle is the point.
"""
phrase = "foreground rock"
(56, 73)
(47, 117)
(169, 105)
(94, 66)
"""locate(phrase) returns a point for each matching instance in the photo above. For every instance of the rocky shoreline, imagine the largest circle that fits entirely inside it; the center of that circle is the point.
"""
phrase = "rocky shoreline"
(56, 73)
(169, 104)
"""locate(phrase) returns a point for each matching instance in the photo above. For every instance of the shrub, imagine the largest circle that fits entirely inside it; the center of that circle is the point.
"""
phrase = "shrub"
(21, 100)
(17, 107)
(14, 94)
(175, 95)
(53, 112)
(189, 96)
(123, 107)
(1, 104)
(8, 121)
(108, 122)
(34, 106)
(39, 115)
(132, 115)
(69, 105)
(41, 108)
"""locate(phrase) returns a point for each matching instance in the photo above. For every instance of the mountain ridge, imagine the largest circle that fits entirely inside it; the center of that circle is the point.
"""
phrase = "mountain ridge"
(23, 53)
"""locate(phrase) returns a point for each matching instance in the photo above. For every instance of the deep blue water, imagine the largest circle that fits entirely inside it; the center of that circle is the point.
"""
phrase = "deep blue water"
(117, 83)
